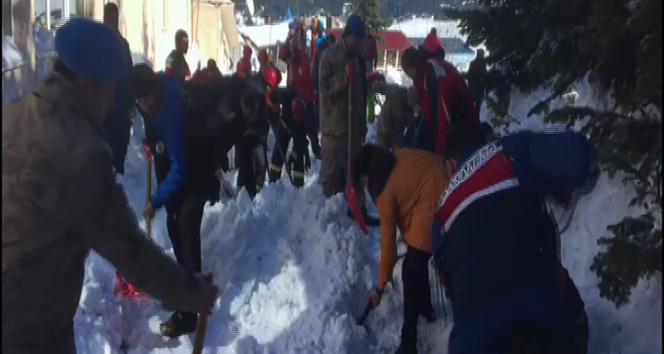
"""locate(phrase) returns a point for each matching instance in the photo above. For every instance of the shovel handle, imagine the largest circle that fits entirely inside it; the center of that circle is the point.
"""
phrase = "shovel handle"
(201, 327)
(365, 314)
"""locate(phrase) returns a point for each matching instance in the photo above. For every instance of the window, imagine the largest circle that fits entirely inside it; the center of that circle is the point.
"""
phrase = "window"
(76, 8)
(59, 11)
(50, 13)
(7, 21)
(165, 12)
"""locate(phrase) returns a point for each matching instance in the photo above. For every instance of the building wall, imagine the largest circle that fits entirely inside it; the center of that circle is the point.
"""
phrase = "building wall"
(150, 25)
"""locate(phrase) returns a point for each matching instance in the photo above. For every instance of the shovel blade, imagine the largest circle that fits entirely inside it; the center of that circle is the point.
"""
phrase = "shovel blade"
(354, 204)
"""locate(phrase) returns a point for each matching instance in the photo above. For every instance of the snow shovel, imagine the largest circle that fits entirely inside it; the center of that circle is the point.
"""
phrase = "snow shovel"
(351, 194)
(201, 328)
(363, 317)
(123, 288)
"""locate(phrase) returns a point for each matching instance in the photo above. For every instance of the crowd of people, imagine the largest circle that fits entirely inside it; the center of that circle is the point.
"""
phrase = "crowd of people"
(473, 203)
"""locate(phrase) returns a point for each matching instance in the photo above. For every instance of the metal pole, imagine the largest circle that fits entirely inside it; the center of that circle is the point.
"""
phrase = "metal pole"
(48, 15)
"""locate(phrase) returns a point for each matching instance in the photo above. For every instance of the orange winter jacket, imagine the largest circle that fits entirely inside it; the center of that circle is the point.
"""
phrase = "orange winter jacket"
(409, 201)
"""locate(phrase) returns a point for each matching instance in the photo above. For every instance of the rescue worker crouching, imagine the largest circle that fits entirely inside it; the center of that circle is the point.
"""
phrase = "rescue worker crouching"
(287, 118)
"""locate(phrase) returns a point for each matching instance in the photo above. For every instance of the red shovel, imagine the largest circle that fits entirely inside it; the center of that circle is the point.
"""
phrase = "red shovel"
(354, 205)
(123, 289)
(351, 194)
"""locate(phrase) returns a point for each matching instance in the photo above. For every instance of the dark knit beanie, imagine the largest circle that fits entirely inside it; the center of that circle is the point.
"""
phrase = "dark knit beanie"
(142, 80)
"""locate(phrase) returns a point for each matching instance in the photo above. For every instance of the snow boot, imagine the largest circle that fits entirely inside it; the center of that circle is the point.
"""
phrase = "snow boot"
(180, 323)
(406, 348)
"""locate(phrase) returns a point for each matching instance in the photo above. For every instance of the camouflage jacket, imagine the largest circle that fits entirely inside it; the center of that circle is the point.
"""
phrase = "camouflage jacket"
(60, 199)
(335, 95)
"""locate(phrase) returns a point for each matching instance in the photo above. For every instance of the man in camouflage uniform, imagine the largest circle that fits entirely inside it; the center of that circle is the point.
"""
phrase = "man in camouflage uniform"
(395, 114)
(335, 91)
(60, 200)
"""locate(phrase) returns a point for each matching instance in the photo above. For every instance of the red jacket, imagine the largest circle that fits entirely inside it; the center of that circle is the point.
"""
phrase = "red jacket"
(244, 67)
(299, 76)
(445, 102)
(431, 43)
(201, 76)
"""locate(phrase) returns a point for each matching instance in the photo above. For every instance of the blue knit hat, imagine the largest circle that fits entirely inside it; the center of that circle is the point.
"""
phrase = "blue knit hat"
(356, 25)
(91, 49)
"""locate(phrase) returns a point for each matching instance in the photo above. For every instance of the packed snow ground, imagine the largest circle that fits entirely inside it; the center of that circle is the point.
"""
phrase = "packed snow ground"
(295, 273)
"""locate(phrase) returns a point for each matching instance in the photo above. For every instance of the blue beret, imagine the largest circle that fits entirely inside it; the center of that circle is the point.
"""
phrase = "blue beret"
(91, 49)
(356, 25)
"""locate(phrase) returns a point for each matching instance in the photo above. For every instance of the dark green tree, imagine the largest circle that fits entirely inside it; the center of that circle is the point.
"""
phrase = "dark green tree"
(370, 10)
(616, 45)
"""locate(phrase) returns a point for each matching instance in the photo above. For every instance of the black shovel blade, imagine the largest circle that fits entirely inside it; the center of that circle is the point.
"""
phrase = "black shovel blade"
(365, 314)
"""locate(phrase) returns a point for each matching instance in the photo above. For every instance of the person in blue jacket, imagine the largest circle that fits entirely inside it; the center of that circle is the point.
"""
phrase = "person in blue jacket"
(187, 156)
(117, 124)
(496, 246)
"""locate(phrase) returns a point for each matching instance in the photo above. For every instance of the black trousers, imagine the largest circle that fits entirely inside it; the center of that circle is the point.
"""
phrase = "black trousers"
(183, 222)
(416, 294)
(313, 125)
(252, 164)
(282, 137)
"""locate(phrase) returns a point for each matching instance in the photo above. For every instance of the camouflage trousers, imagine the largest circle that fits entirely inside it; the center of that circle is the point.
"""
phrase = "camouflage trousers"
(334, 166)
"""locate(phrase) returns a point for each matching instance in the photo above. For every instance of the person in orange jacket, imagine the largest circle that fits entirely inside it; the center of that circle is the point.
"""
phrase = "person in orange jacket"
(406, 185)
(300, 79)
(244, 64)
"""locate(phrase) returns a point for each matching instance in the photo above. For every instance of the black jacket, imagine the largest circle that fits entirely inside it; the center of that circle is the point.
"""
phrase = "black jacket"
(176, 66)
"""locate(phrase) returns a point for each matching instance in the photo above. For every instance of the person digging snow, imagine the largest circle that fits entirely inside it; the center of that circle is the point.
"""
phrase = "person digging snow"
(334, 86)
(405, 184)
(60, 200)
(186, 159)
(176, 63)
(288, 120)
(496, 245)
(396, 113)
